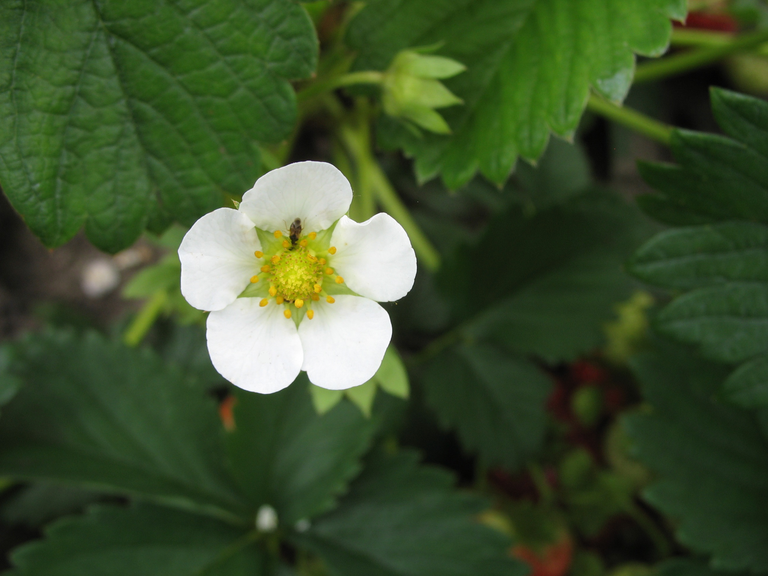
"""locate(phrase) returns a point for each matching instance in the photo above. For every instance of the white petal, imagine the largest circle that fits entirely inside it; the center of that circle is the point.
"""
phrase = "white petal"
(375, 258)
(345, 342)
(217, 259)
(316, 192)
(257, 349)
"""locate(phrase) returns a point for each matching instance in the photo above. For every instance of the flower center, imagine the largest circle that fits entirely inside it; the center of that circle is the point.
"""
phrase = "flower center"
(295, 274)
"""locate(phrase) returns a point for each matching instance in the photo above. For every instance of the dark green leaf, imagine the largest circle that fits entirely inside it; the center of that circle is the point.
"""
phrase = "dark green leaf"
(545, 284)
(729, 322)
(711, 460)
(402, 519)
(699, 256)
(287, 456)
(99, 414)
(42, 502)
(108, 106)
(530, 67)
(686, 567)
(748, 385)
(143, 540)
(494, 400)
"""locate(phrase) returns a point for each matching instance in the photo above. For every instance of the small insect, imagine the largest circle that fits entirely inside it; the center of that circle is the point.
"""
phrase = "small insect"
(295, 231)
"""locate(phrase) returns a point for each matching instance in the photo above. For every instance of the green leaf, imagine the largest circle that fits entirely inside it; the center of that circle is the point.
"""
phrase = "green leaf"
(710, 460)
(545, 284)
(748, 385)
(323, 399)
(115, 419)
(144, 540)
(687, 567)
(107, 108)
(363, 396)
(495, 401)
(694, 257)
(287, 456)
(42, 502)
(392, 375)
(530, 66)
(402, 519)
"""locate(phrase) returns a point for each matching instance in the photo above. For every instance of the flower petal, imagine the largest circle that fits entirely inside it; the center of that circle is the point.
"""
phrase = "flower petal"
(345, 342)
(316, 192)
(255, 348)
(375, 258)
(217, 259)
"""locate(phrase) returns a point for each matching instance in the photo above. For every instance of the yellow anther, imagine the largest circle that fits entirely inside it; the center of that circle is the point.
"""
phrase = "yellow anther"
(332, 250)
(265, 268)
(323, 261)
(286, 244)
(317, 288)
(339, 280)
(263, 302)
(329, 271)
(315, 297)
(278, 234)
(272, 290)
(279, 300)
(303, 243)
(298, 302)
(330, 299)
(311, 258)
(259, 254)
(310, 314)
(312, 235)
(275, 258)
(287, 313)
(254, 279)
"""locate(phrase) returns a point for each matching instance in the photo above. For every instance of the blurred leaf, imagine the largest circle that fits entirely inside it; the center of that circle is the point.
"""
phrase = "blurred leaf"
(545, 284)
(287, 456)
(748, 385)
(106, 107)
(402, 519)
(143, 540)
(42, 502)
(186, 348)
(164, 275)
(711, 460)
(104, 416)
(688, 567)
(494, 400)
(9, 384)
(530, 66)
(323, 399)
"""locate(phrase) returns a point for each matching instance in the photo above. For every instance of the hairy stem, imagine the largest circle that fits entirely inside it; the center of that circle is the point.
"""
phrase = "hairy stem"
(632, 119)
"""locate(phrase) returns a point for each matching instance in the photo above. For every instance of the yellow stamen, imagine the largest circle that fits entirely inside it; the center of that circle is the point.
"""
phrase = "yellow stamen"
(298, 302)
(315, 297)
(278, 234)
(263, 302)
(311, 258)
(279, 300)
(254, 279)
(287, 313)
(339, 280)
(323, 261)
(275, 258)
(265, 268)
(272, 290)
(303, 243)
(332, 250)
(330, 299)
(310, 314)
(312, 235)
(317, 288)
(259, 254)
(286, 244)
(329, 271)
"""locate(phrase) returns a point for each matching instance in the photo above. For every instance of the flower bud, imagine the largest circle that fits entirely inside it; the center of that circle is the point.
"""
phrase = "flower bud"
(412, 90)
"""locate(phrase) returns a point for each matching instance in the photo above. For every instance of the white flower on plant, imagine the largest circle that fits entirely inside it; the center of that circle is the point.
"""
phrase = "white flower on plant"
(292, 283)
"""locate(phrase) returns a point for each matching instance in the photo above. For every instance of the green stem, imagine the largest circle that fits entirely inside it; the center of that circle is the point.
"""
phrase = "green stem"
(696, 58)
(370, 172)
(546, 494)
(699, 38)
(631, 119)
(144, 320)
(331, 84)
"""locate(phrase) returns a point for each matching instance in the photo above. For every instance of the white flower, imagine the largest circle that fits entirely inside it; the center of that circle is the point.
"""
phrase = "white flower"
(292, 283)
